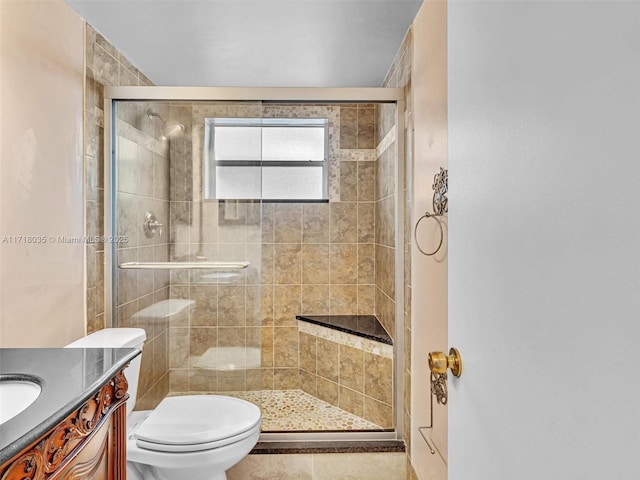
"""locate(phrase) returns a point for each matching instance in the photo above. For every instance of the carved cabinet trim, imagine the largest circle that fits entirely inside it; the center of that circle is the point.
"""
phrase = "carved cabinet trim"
(56, 450)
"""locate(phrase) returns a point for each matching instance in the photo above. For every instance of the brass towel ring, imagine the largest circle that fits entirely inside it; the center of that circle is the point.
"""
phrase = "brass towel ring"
(415, 233)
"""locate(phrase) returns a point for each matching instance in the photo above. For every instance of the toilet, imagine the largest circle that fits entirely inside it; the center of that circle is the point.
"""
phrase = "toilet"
(198, 437)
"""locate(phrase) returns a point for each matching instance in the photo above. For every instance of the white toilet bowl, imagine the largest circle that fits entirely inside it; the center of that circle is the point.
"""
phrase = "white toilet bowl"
(195, 437)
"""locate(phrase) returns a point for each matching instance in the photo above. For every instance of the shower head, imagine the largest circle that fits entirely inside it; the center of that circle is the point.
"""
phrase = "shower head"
(170, 129)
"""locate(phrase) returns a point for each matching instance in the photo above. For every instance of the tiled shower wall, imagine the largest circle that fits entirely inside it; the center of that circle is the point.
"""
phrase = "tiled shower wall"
(314, 258)
(143, 186)
(318, 258)
(399, 76)
(347, 371)
(226, 311)
(105, 65)
(311, 257)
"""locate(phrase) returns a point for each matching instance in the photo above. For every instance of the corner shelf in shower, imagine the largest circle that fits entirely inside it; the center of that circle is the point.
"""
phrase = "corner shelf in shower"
(183, 265)
(365, 326)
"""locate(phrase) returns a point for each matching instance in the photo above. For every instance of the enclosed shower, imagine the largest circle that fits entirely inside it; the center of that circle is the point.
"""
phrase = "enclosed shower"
(259, 249)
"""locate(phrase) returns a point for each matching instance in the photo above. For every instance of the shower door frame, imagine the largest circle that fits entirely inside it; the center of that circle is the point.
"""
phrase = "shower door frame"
(395, 96)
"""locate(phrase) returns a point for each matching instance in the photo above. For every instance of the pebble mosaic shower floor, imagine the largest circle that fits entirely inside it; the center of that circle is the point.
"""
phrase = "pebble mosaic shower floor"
(295, 410)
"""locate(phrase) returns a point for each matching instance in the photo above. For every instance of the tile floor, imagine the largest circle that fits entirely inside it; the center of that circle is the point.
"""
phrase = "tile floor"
(295, 411)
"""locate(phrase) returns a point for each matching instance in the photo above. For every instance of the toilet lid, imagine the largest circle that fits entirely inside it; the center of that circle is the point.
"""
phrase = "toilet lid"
(197, 419)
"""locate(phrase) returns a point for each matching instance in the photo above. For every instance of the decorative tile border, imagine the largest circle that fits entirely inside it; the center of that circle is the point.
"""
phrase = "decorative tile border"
(358, 155)
(386, 142)
(125, 130)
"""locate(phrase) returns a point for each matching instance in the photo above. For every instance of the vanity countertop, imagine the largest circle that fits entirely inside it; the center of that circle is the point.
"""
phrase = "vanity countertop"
(67, 376)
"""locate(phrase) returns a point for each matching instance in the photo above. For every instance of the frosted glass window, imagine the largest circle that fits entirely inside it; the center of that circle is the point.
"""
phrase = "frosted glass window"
(269, 158)
(238, 143)
(293, 143)
(238, 182)
(292, 183)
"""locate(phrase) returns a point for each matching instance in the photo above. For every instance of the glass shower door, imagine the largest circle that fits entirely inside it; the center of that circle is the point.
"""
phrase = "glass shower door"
(190, 271)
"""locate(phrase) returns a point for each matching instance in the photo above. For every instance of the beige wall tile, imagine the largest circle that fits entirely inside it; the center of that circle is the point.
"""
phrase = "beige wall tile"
(315, 299)
(366, 127)
(366, 264)
(287, 305)
(288, 223)
(366, 222)
(327, 391)
(267, 347)
(254, 379)
(344, 263)
(229, 337)
(288, 264)
(231, 305)
(267, 262)
(343, 223)
(351, 401)
(201, 339)
(160, 356)
(285, 347)
(179, 380)
(378, 377)
(385, 223)
(105, 67)
(268, 218)
(267, 378)
(205, 310)
(308, 383)
(344, 299)
(348, 127)
(327, 359)
(201, 380)
(378, 412)
(232, 380)
(366, 299)
(385, 311)
(366, 181)
(315, 263)
(348, 181)
(351, 368)
(267, 307)
(178, 347)
(308, 352)
(385, 268)
(286, 378)
(253, 298)
(315, 226)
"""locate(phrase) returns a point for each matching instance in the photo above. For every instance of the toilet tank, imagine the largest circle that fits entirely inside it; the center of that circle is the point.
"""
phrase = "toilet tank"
(118, 338)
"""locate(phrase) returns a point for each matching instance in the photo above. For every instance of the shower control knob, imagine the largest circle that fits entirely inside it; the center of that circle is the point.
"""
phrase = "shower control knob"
(439, 362)
(151, 225)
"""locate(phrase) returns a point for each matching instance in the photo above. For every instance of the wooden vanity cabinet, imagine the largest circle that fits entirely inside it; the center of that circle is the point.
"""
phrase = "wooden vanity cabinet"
(90, 444)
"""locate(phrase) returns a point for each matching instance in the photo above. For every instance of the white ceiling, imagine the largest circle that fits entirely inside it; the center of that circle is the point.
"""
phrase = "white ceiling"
(255, 43)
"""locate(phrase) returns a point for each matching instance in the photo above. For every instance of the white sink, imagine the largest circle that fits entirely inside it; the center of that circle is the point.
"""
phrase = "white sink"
(15, 396)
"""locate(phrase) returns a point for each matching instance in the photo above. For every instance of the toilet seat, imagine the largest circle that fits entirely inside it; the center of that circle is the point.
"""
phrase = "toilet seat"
(195, 423)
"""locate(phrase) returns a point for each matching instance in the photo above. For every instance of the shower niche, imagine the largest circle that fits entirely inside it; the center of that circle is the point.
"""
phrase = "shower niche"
(263, 211)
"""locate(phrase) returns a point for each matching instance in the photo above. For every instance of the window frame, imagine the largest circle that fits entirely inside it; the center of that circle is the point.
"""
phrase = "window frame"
(210, 162)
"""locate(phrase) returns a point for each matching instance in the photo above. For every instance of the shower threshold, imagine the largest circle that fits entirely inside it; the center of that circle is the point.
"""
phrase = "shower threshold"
(297, 411)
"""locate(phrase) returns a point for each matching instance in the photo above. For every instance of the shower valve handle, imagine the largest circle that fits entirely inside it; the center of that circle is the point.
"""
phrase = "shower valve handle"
(151, 225)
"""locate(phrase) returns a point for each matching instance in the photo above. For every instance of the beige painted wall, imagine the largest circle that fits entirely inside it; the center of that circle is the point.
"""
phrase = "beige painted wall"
(41, 173)
(429, 274)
